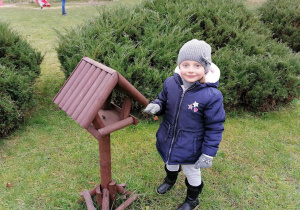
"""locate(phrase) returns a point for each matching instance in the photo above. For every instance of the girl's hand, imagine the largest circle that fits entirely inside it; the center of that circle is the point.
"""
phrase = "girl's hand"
(204, 161)
(152, 109)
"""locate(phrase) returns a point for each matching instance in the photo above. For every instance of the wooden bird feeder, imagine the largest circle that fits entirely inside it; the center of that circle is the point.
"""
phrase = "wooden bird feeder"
(86, 97)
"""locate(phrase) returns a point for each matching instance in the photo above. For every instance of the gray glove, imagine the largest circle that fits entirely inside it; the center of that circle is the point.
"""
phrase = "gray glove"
(204, 161)
(152, 109)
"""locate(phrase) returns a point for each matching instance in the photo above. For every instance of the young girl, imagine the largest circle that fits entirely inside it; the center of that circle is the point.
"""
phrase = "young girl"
(192, 126)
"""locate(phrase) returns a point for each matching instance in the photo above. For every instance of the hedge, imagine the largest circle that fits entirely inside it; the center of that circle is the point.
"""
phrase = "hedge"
(19, 68)
(283, 18)
(142, 43)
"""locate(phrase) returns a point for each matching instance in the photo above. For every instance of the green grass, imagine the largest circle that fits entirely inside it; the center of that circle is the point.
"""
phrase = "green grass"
(50, 160)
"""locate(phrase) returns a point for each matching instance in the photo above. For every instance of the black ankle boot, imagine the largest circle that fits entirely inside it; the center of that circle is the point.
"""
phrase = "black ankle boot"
(191, 200)
(170, 180)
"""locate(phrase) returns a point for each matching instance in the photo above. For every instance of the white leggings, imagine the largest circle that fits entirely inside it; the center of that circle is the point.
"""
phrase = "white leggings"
(193, 175)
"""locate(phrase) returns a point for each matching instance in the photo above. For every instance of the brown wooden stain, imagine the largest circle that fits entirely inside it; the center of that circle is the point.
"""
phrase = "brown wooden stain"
(85, 97)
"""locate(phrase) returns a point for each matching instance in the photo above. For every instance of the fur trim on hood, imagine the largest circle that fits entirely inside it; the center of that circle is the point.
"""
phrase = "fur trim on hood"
(212, 76)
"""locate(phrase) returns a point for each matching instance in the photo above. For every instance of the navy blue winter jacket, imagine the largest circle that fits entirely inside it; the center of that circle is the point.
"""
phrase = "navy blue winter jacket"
(193, 121)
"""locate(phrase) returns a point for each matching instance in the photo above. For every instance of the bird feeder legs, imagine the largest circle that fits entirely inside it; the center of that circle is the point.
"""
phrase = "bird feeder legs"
(106, 192)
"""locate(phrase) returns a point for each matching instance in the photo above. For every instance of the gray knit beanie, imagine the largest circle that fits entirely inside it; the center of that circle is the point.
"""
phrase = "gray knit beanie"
(196, 50)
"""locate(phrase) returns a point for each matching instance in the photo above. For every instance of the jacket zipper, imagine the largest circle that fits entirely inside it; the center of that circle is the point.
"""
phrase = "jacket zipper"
(176, 121)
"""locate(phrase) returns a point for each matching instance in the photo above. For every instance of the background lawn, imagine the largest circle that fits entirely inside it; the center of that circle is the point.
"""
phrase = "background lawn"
(50, 160)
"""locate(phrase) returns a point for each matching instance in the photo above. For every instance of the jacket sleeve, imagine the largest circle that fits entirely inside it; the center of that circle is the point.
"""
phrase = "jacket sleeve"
(214, 117)
(162, 99)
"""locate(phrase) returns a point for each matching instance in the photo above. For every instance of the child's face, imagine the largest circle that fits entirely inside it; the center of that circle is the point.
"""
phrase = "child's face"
(191, 71)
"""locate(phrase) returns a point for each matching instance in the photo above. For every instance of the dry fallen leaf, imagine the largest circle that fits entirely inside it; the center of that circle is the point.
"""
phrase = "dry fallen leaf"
(155, 118)
(8, 185)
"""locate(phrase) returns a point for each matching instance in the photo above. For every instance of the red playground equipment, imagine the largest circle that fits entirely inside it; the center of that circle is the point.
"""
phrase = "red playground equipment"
(45, 3)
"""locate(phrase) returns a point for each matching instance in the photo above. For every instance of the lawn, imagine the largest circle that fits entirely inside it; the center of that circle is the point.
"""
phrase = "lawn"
(50, 160)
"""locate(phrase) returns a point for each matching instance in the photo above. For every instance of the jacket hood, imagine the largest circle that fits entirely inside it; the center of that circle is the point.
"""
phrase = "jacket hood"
(212, 76)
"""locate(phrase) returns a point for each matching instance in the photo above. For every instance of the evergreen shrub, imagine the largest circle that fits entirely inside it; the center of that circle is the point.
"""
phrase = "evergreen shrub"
(142, 43)
(19, 67)
(283, 18)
